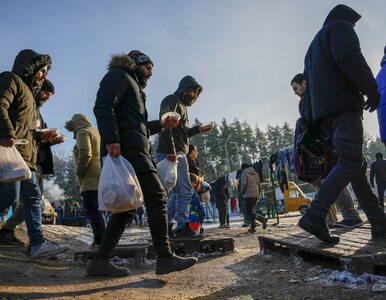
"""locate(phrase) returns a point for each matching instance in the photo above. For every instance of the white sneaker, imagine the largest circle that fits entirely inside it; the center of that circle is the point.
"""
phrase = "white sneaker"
(49, 248)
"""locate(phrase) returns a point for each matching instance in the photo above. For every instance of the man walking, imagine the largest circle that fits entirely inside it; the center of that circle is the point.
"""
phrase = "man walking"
(344, 203)
(18, 120)
(88, 169)
(174, 145)
(338, 76)
(378, 170)
(120, 110)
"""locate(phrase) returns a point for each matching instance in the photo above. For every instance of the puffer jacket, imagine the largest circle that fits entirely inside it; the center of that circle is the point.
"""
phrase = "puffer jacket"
(381, 111)
(250, 183)
(18, 114)
(177, 139)
(121, 114)
(87, 152)
(336, 71)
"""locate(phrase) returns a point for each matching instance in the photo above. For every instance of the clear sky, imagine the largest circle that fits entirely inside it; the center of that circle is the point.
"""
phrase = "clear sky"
(244, 53)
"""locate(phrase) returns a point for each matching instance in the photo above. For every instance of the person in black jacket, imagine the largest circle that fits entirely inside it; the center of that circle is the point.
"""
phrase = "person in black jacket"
(338, 76)
(378, 170)
(120, 110)
(173, 144)
(192, 156)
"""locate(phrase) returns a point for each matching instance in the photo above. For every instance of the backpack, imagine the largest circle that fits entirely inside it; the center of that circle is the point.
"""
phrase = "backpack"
(313, 158)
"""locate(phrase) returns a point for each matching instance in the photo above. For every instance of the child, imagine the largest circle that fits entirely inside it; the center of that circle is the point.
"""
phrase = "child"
(196, 209)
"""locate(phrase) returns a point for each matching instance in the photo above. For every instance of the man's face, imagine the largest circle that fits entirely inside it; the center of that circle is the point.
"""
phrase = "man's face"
(144, 73)
(39, 77)
(190, 96)
(299, 89)
(44, 96)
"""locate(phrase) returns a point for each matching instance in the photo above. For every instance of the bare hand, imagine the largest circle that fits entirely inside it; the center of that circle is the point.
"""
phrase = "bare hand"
(7, 142)
(49, 135)
(171, 157)
(58, 140)
(114, 149)
(170, 122)
(206, 128)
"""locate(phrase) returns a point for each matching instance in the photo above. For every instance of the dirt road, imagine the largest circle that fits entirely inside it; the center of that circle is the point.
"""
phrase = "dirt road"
(244, 274)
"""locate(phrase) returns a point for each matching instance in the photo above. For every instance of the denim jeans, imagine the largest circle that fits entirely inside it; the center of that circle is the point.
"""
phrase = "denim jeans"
(30, 197)
(346, 133)
(181, 195)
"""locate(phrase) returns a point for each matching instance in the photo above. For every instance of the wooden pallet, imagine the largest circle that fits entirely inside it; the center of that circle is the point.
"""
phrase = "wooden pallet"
(121, 250)
(356, 251)
(203, 246)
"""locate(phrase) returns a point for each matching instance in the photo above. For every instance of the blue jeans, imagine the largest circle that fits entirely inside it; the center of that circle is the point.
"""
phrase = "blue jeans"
(30, 197)
(345, 130)
(181, 195)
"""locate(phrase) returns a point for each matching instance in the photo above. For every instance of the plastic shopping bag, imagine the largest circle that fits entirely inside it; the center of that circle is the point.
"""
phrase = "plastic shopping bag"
(206, 188)
(12, 165)
(119, 189)
(167, 173)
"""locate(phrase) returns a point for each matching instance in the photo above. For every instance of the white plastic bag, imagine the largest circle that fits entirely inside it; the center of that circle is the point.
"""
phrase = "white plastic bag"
(119, 189)
(12, 165)
(205, 197)
(167, 173)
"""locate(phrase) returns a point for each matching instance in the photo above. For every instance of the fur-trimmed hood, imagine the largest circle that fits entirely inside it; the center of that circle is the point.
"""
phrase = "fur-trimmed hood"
(28, 63)
(121, 60)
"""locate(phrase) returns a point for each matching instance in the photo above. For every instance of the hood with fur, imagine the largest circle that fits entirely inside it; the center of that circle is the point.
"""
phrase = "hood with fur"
(121, 60)
(28, 63)
(342, 12)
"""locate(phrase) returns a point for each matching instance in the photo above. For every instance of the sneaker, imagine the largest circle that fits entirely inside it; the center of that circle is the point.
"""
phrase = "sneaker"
(47, 249)
(105, 267)
(173, 263)
(245, 225)
(252, 230)
(349, 223)
(223, 226)
(8, 237)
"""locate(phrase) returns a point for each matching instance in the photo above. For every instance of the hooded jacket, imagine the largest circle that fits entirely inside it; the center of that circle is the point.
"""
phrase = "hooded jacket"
(249, 183)
(176, 140)
(121, 114)
(381, 111)
(18, 115)
(336, 71)
(86, 152)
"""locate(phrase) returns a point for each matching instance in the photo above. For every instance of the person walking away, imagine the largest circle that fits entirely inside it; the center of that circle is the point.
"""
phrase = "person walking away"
(338, 76)
(88, 169)
(250, 191)
(121, 114)
(378, 171)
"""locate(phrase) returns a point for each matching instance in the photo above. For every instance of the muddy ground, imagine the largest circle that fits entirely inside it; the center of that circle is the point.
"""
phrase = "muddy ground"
(243, 274)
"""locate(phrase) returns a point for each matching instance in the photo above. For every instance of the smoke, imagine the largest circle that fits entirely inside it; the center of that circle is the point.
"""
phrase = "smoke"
(52, 191)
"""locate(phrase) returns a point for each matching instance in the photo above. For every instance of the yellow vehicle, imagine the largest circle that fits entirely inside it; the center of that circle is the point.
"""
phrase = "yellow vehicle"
(291, 200)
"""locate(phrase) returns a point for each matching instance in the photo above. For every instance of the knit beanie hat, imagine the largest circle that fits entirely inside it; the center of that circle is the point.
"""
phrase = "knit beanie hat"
(140, 58)
(48, 86)
(245, 165)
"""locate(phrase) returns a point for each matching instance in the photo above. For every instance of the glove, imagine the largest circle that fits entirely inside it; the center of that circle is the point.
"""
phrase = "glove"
(372, 101)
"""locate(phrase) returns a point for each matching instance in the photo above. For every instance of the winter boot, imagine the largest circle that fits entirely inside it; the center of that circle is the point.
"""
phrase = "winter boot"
(173, 263)
(105, 267)
(318, 227)
(263, 220)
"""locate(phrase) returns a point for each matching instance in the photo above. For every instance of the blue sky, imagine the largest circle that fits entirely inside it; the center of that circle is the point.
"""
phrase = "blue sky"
(244, 53)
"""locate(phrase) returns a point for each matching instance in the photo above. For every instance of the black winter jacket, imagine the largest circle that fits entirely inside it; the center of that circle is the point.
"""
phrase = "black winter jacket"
(120, 111)
(378, 170)
(177, 139)
(336, 71)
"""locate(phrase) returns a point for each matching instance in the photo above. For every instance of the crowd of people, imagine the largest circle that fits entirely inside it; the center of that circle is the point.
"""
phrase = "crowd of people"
(331, 89)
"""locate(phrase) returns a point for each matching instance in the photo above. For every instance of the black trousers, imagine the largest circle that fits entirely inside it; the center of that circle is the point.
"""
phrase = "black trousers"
(90, 204)
(249, 205)
(156, 205)
(222, 212)
(381, 186)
